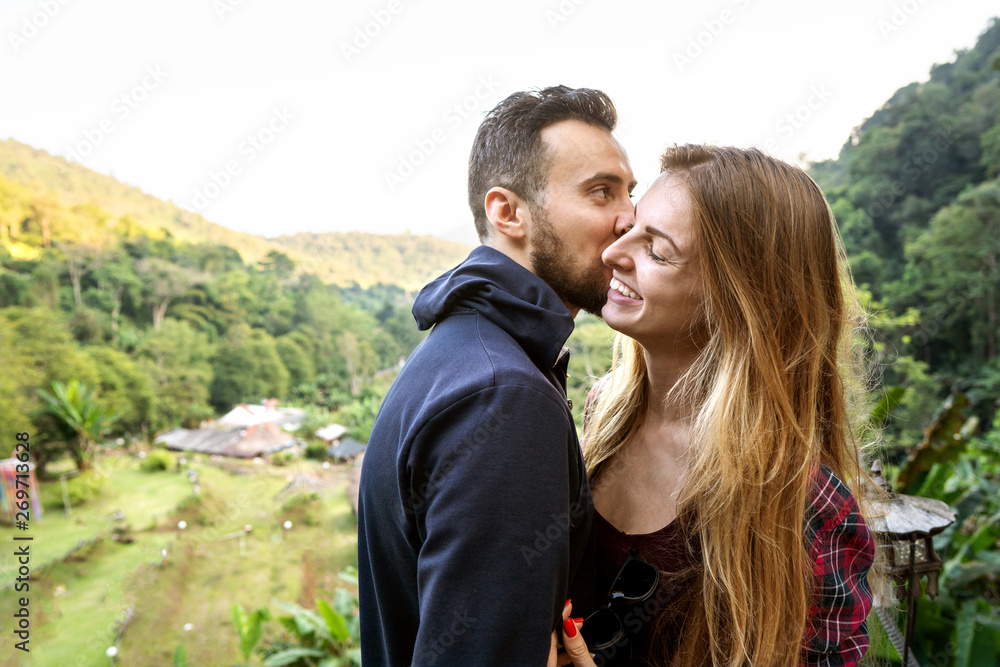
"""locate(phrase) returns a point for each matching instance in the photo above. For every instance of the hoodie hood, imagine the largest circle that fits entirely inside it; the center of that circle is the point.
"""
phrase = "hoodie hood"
(504, 292)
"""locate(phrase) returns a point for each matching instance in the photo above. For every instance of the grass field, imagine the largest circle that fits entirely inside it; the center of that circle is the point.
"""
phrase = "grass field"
(186, 596)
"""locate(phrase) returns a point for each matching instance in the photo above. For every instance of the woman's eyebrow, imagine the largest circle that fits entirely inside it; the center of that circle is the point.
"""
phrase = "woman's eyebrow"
(663, 235)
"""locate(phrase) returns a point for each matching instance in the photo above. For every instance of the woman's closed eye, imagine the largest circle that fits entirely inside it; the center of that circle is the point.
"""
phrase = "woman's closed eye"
(656, 258)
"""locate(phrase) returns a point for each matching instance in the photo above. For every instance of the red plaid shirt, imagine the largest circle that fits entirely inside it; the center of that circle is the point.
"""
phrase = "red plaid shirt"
(842, 550)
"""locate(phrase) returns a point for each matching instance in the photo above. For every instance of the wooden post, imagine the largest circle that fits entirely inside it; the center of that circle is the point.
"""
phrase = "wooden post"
(65, 494)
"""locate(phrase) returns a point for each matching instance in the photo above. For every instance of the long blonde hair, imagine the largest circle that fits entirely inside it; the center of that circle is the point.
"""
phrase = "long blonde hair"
(770, 390)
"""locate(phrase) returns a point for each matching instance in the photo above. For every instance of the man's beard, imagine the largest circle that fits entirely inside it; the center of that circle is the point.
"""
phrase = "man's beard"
(585, 288)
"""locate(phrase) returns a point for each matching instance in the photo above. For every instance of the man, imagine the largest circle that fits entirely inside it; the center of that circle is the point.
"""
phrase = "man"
(475, 512)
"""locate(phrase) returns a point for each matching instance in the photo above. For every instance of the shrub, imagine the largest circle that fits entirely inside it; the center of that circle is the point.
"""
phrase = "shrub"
(301, 499)
(283, 457)
(301, 508)
(85, 486)
(316, 451)
(156, 460)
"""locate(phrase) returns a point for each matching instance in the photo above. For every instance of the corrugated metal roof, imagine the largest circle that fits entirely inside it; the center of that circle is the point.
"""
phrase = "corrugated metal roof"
(239, 442)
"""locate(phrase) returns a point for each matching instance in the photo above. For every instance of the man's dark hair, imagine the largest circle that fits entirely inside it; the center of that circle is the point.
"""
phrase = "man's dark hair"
(508, 151)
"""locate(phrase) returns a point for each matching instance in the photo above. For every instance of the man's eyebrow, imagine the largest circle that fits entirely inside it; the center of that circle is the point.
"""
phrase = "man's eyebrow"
(606, 176)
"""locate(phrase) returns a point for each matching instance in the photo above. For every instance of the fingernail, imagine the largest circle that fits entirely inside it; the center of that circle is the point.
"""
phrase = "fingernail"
(567, 602)
(578, 620)
(569, 627)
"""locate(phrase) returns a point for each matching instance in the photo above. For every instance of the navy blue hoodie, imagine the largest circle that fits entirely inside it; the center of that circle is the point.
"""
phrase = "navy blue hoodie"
(475, 514)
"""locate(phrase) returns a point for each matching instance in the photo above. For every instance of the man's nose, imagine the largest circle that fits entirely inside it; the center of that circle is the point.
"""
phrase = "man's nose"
(625, 221)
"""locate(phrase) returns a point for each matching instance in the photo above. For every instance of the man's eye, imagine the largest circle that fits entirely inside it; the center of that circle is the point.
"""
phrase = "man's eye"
(601, 192)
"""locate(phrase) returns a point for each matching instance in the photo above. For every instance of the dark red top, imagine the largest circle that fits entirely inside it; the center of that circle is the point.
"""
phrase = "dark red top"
(667, 550)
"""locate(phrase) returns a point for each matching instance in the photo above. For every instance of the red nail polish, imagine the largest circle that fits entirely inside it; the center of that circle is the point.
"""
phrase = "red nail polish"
(567, 602)
(569, 627)
(578, 620)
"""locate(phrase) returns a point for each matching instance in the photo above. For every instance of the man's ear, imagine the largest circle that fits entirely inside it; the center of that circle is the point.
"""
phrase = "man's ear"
(506, 212)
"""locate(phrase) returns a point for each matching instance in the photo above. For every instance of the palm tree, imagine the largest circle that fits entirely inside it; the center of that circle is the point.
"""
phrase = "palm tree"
(75, 407)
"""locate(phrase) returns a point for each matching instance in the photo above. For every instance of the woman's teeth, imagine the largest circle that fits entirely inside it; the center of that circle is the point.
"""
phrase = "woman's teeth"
(624, 289)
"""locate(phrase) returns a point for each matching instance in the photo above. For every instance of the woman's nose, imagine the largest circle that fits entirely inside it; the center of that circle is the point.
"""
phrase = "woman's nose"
(616, 255)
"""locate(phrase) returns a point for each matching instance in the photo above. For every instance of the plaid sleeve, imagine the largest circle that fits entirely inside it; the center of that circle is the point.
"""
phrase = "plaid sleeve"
(842, 550)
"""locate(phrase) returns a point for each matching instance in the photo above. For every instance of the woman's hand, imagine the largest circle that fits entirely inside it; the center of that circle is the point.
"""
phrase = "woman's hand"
(575, 649)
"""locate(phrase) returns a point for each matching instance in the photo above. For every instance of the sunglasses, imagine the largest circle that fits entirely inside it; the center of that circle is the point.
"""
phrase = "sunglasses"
(635, 583)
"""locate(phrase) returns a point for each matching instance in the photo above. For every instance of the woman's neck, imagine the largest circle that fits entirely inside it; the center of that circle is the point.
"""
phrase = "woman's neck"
(664, 369)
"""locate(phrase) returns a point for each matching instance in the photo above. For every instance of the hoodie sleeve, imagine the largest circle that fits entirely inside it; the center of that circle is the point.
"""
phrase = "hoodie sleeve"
(492, 507)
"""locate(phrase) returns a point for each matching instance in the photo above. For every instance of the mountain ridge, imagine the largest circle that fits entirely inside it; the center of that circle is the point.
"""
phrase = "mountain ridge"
(340, 258)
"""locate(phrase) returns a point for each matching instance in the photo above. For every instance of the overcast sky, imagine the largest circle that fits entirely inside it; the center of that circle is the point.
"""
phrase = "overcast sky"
(308, 115)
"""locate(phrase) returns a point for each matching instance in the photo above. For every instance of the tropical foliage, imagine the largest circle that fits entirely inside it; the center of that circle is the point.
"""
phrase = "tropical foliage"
(917, 197)
(330, 636)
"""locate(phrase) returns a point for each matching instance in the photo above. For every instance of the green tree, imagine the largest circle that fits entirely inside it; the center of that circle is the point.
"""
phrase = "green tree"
(247, 367)
(176, 358)
(75, 407)
(116, 281)
(17, 375)
(279, 263)
(164, 281)
(79, 259)
(301, 369)
(14, 209)
(125, 390)
(359, 357)
(952, 271)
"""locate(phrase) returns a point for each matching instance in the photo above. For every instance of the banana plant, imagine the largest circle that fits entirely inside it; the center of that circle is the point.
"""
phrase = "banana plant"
(249, 627)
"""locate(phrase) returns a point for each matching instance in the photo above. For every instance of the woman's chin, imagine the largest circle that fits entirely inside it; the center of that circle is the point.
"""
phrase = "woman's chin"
(615, 319)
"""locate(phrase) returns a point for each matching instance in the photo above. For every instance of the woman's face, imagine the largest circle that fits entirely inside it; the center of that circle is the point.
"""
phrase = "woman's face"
(655, 288)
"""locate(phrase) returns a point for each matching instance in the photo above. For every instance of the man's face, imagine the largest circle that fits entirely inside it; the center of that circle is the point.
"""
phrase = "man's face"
(586, 207)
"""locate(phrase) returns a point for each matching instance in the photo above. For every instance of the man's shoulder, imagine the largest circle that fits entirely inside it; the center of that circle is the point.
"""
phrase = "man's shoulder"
(474, 352)
(456, 365)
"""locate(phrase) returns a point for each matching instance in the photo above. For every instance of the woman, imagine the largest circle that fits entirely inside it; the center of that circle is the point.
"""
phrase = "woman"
(721, 447)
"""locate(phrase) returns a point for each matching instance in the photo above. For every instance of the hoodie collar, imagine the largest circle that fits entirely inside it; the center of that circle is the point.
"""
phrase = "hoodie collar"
(507, 294)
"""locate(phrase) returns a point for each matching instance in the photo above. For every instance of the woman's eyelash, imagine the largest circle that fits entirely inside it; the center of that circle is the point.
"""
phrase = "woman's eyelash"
(653, 256)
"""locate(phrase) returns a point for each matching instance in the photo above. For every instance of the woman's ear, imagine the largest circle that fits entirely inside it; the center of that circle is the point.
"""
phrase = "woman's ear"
(506, 212)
